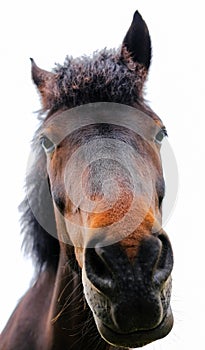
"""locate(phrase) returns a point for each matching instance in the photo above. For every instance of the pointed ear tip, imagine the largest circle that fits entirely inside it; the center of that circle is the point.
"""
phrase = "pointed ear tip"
(35, 72)
(137, 15)
(33, 63)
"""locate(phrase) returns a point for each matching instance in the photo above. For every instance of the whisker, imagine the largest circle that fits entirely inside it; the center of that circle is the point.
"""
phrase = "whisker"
(67, 303)
(64, 289)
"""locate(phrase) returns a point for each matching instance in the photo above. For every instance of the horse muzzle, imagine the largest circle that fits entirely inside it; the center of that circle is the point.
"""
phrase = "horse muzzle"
(137, 338)
(130, 300)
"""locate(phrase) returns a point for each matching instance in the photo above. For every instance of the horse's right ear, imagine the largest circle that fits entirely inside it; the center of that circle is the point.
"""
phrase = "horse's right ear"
(45, 82)
(137, 42)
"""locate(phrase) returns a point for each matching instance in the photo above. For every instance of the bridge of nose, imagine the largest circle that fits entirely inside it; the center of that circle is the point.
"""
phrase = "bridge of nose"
(118, 196)
(125, 223)
(131, 243)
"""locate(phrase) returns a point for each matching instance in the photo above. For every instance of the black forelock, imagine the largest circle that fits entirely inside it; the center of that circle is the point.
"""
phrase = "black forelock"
(103, 77)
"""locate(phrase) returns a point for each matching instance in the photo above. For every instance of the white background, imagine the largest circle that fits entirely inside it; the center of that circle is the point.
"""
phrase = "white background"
(47, 31)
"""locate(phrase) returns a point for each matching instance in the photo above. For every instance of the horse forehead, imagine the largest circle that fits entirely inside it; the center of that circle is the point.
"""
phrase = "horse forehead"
(108, 171)
(64, 123)
(103, 151)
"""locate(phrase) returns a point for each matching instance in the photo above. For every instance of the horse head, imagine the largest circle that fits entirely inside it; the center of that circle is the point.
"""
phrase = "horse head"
(101, 146)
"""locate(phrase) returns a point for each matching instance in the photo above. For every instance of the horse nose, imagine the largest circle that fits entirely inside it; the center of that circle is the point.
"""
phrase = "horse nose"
(109, 269)
(99, 267)
(165, 261)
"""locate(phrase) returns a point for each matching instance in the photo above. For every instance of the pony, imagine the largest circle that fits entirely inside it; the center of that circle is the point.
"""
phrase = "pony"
(101, 282)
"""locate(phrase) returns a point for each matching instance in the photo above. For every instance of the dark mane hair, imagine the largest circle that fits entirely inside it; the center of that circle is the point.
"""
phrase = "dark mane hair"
(104, 77)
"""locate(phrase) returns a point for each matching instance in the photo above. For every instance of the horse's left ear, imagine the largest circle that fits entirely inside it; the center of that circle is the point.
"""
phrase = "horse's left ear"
(45, 82)
(137, 42)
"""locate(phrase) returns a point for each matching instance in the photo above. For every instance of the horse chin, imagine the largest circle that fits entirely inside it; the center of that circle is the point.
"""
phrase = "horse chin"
(135, 339)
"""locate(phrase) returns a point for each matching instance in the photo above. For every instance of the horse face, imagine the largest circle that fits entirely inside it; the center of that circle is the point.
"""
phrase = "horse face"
(107, 186)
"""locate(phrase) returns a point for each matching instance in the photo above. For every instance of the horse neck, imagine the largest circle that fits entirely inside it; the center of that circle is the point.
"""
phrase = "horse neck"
(71, 324)
(56, 312)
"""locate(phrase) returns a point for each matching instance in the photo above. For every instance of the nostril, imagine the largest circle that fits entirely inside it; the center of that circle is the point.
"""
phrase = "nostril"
(165, 261)
(97, 270)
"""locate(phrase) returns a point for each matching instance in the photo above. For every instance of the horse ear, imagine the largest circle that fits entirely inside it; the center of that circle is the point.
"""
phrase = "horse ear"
(44, 80)
(137, 42)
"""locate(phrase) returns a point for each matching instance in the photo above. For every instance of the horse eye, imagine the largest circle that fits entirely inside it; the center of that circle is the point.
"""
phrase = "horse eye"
(47, 144)
(160, 135)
